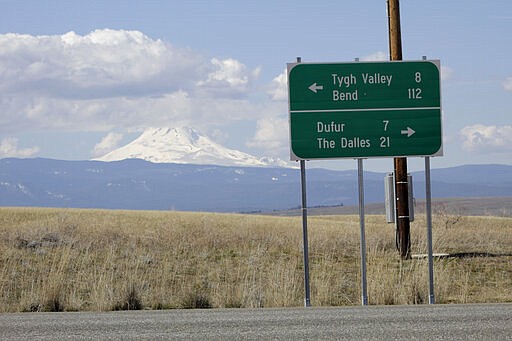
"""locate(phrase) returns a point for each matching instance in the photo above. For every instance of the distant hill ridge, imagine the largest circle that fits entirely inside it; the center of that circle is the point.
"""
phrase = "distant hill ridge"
(139, 184)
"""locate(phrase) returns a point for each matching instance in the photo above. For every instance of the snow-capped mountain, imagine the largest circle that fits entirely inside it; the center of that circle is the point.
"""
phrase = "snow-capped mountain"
(187, 146)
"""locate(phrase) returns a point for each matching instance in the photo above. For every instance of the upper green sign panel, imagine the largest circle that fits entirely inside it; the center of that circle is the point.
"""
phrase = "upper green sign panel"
(364, 109)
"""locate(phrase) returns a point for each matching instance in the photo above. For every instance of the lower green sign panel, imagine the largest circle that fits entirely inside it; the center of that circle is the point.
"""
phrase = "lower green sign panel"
(355, 134)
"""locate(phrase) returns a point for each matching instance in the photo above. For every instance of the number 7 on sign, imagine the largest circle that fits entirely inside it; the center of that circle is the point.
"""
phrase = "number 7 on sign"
(385, 122)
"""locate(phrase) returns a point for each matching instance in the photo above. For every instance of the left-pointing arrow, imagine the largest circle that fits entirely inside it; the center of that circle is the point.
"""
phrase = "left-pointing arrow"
(314, 87)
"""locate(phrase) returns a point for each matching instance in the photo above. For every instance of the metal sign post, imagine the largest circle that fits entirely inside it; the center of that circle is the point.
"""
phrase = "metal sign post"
(364, 294)
(307, 299)
(428, 208)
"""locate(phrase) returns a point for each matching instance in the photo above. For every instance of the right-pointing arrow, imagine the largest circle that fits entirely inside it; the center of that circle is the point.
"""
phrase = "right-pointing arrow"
(407, 132)
(313, 87)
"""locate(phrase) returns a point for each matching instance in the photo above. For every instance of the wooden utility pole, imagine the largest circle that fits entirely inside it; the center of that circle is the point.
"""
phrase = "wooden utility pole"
(400, 164)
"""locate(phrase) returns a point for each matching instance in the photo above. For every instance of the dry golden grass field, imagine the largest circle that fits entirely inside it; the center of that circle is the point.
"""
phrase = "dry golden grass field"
(76, 260)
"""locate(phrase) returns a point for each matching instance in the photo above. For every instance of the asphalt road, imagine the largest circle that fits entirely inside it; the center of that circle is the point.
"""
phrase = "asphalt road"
(426, 322)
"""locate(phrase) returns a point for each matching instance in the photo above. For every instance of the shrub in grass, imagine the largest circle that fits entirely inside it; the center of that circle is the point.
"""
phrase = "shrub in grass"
(131, 300)
(196, 301)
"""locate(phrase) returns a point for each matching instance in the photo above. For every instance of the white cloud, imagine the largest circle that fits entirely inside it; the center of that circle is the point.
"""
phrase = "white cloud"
(115, 79)
(101, 64)
(446, 73)
(228, 76)
(101, 114)
(507, 84)
(278, 89)
(9, 148)
(272, 135)
(487, 139)
(107, 144)
(376, 57)
(228, 71)
(219, 135)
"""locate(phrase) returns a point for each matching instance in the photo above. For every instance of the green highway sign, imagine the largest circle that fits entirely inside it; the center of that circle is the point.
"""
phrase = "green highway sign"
(364, 109)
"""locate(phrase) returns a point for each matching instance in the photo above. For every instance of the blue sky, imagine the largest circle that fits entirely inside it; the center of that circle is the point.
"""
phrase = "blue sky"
(80, 78)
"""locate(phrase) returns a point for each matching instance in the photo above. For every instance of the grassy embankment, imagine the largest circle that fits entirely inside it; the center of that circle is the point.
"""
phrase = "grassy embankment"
(70, 260)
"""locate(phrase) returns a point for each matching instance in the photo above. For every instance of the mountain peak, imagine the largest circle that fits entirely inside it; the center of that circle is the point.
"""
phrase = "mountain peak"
(177, 132)
(182, 145)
